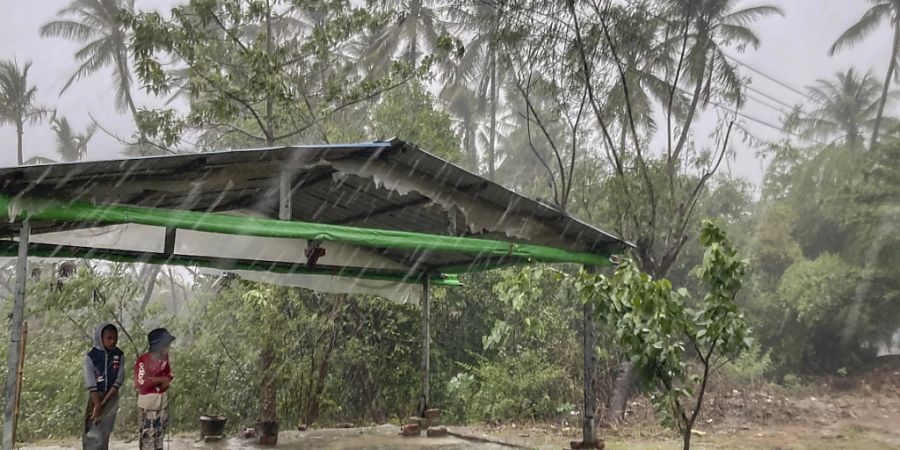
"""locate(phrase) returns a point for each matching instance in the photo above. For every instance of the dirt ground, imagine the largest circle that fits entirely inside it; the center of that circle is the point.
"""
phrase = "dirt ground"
(840, 413)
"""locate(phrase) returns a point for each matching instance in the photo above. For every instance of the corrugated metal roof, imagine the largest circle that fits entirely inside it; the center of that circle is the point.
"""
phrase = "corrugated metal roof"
(323, 190)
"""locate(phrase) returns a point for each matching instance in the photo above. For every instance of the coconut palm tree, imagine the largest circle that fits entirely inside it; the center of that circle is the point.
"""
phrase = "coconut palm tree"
(464, 108)
(70, 145)
(880, 10)
(480, 71)
(416, 31)
(97, 24)
(847, 107)
(17, 101)
(713, 25)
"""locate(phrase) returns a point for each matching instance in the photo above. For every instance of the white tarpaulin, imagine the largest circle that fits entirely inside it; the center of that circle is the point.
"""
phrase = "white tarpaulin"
(142, 238)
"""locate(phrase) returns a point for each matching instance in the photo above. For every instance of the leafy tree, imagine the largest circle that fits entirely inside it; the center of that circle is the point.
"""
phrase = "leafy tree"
(533, 145)
(846, 107)
(409, 113)
(17, 101)
(98, 24)
(815, 301)
(880, 10)
(773, 247)
(657, 200)
(652, 196)
(245, 73)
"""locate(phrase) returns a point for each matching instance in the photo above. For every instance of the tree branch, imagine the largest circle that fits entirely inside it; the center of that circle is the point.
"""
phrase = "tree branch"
(528, 110)
(612, 151)
(642, 163)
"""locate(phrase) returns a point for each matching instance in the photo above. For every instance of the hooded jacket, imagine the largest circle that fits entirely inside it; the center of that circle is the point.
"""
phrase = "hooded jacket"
(103, 369)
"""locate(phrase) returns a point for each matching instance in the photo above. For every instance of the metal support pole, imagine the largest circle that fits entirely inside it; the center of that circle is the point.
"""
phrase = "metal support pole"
(20, 373)
(284, 195)
(589, 426)
(15, 336)
(425, 401)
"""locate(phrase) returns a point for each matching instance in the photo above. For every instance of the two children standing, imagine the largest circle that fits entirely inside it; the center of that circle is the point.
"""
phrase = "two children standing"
(104, 375)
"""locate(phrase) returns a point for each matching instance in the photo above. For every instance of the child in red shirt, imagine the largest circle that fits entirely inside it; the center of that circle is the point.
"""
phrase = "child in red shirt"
(152, 378)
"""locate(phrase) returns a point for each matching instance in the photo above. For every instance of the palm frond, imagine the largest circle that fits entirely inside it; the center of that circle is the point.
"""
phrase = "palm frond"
(739, 34)
(749, 15)
(68, 29)
(96, 61)
(862, 28)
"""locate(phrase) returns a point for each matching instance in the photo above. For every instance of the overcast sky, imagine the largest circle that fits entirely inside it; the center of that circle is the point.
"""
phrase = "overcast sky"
(794, 51)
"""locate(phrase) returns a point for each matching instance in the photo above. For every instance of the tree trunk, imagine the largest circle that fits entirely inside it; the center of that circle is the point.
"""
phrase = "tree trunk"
(267, 406)
(172, 287)
(148, 293)
(270, 125)
(124, 73)
(19, 133)
(621, 391)
(492, 144)
(471, 150)
(887, 84)
(415, 11)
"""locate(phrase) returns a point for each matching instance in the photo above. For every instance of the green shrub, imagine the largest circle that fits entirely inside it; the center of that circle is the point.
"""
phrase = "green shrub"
(512, 388)
(750, 366)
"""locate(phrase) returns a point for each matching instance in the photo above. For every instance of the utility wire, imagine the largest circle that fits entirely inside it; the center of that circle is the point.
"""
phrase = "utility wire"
(728, 109)
(766, 104)
(774, 99)
(771, 78)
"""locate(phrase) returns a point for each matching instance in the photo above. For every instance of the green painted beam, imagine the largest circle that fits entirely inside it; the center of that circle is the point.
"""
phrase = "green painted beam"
(79, 211)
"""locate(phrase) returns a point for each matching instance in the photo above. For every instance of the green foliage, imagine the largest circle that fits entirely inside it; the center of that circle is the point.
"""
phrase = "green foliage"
(536, 310)
(654, 325)
(751, 366)
(824, 305)
(527, 386)
(823, 322)
(266, 72)
(773, 247)
(409, 113)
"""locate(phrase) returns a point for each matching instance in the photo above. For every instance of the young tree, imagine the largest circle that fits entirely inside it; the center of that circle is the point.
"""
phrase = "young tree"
(656, 327)
(17, 101)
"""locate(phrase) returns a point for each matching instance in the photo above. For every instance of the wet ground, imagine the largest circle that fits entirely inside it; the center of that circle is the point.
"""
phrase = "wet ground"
(384, 437)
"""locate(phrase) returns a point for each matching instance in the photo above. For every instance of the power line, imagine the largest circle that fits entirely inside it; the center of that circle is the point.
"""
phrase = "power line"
(756, 120)
(766, 104)
(776, 100)
(769, 77)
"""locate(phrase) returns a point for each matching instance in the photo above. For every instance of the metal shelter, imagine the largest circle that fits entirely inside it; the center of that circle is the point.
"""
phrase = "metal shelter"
(381, 218)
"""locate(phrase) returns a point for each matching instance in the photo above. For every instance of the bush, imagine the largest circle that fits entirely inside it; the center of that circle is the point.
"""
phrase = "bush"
(750, 366)
(513, 388)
